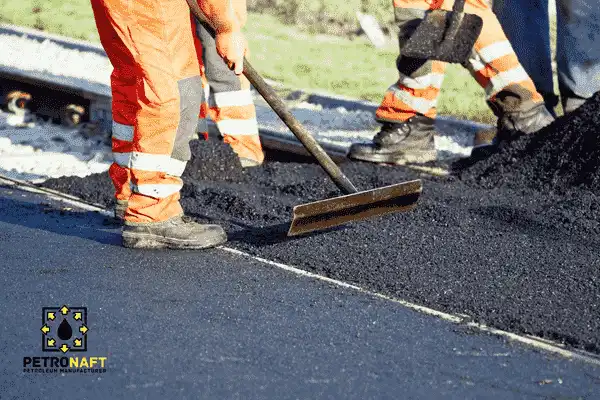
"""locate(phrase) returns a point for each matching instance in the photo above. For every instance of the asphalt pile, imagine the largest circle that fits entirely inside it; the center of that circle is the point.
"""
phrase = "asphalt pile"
(211, 163)
(559, 158)
(521, 260)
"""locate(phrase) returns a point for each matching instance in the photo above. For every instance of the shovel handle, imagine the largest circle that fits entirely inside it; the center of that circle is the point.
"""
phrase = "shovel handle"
(298, 130)
(456, 18)
(271, 97)
(459, 6)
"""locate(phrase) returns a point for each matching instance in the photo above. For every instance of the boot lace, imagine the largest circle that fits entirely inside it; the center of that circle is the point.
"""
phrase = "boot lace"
(389, 129)
(186, 219)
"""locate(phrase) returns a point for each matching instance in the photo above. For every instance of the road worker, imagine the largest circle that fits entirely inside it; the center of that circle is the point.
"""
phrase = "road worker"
(527, 26)
(158, 86)
(408, 109)
(231, 105)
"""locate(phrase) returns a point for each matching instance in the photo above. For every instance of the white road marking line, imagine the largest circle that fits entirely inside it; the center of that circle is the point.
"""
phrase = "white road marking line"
(533, 341)
(55, 195)
(301, 272)
(529, 340)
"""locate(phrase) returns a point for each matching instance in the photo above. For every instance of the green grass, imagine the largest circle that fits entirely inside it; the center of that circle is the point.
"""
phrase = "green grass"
(283, 53)
(69, 18)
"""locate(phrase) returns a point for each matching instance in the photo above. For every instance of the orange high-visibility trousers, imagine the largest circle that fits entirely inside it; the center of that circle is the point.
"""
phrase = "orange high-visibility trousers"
(158, 87)
(231, 104)
(493, 63)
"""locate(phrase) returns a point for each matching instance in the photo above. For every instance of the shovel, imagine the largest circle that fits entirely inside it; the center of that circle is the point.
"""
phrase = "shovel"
(444, 35)
(354, 205)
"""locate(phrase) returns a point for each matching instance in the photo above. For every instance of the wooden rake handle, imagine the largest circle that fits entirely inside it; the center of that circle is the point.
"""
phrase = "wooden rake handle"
(277, 105)
(309, 142)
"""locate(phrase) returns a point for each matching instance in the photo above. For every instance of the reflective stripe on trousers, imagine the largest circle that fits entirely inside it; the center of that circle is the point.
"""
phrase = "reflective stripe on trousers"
(156, 98)
(493, 64)
(230, 102)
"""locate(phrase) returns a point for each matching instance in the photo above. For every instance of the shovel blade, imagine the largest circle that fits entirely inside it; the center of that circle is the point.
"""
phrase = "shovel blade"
(358, 206)
(441, 37)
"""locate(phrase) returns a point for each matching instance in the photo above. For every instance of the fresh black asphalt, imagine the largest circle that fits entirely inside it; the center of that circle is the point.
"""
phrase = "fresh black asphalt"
(211, 324)
(521, 260)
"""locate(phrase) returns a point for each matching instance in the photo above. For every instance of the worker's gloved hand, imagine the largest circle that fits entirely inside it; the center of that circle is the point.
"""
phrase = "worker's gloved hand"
(233, 47)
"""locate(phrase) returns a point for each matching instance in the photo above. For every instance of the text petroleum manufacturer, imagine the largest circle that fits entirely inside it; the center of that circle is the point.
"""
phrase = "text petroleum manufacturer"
(53, 365)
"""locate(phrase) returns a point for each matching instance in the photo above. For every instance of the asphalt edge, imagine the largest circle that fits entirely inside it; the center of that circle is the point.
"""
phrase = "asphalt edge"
(531, 341)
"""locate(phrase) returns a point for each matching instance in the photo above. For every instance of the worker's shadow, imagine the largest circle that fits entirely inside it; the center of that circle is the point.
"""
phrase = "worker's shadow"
(273, 234)
(259, 236)
(262, 236)
(50, 218)
(239, 231)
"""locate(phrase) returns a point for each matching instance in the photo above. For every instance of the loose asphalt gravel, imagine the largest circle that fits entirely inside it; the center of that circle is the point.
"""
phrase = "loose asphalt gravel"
(518, 258)
(558, 158)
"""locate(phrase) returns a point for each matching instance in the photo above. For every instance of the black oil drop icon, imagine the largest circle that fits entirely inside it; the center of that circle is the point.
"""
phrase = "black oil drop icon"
(64, 330)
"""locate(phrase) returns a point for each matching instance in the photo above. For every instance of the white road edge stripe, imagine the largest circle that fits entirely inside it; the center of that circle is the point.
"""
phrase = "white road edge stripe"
(529, 340)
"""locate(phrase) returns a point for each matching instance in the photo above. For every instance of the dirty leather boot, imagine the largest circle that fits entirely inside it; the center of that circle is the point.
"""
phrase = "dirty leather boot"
(176, 233)
(529, 121)
(411, 141)
(509, 124)
(249, 163)
(120, 208)
(571, 104)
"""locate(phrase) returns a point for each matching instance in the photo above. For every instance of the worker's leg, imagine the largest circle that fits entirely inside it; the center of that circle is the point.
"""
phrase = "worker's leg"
(232, 105)
(420, 81)
(509, 90)
(124, 82)
(204, 114)
(526, 25)
(167, 97)
(416, 91)
(578, 50)
(409, 105)
(157, 36)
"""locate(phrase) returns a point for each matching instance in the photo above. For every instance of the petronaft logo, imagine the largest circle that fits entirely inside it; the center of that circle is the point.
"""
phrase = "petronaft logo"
(65, 330)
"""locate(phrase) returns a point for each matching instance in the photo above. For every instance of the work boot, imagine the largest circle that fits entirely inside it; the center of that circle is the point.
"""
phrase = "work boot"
(399, 143)
(509, 124)
(176, 233)
(120, 208)
(529, 121)
(249, 163)
(572, 103)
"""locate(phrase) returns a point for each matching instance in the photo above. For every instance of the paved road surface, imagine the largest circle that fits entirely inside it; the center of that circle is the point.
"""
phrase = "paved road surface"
(213, 324)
